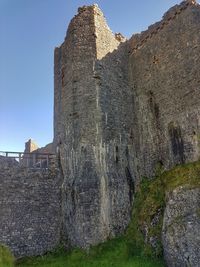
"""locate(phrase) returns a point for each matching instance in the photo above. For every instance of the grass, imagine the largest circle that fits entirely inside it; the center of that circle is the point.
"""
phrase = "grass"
(147, 215)
(134, 248)
(112, 253)
(6, 258)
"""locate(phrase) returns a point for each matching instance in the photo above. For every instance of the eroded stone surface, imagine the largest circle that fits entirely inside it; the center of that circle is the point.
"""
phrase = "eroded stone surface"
(90, 130)
(8, 162)
(181, 228)
(165, 79)
(122, 107)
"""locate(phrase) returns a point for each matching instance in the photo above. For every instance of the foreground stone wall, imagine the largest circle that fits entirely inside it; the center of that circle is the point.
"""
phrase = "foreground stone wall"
(165, 79)
(30, 212)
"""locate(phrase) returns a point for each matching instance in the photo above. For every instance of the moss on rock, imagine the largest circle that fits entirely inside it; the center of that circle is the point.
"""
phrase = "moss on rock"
(144, 231)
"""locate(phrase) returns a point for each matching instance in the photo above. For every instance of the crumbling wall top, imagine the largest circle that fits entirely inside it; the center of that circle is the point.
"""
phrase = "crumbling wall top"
(138, 40)
(84, 8)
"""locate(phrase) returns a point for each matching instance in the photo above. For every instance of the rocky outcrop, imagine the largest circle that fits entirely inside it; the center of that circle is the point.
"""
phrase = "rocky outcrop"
(181, 228)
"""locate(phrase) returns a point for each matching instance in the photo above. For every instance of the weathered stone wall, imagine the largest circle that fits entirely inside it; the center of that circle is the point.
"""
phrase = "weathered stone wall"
(89, 134)
(165, 79)
(75, 102)
(30, 212)
(181, 228)
(114, 152)
(122, 107)
(8, 162)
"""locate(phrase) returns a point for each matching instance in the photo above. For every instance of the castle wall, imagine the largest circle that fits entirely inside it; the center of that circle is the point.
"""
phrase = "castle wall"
(115, 148)
(57, 96)
(111, 151)
(93, 152)
(76, 105)
(165, 79)
(121, 109)
(30, 218)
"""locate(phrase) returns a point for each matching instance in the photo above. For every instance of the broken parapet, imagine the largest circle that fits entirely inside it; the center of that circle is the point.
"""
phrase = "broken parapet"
(139, 40)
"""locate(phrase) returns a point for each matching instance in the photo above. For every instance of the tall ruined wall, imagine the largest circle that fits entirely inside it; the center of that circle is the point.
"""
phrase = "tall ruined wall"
(165, 79)
(122, 107)
(76, 135)
(96, 190)
(30, 212)
(114, 153)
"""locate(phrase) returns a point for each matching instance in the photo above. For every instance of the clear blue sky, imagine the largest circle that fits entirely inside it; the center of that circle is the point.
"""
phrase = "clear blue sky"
(29, 32)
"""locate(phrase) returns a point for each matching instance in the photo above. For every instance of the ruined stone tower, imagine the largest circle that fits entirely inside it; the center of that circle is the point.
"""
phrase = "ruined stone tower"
(91, 129)
(121, 108)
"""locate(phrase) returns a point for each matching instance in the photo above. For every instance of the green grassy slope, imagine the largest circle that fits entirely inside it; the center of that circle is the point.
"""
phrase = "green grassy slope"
(110, 254)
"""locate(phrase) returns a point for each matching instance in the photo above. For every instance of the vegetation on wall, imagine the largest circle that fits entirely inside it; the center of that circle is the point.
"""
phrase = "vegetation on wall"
(144, 232)
(112, 253)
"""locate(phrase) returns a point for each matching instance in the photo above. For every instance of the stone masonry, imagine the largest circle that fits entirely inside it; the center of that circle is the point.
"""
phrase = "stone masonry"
(30, 210)
(89, 130)
(181, 228)
(165, 79)
(121, 108)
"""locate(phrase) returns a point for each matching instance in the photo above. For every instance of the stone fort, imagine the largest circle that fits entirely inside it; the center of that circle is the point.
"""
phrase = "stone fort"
(121, 108)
